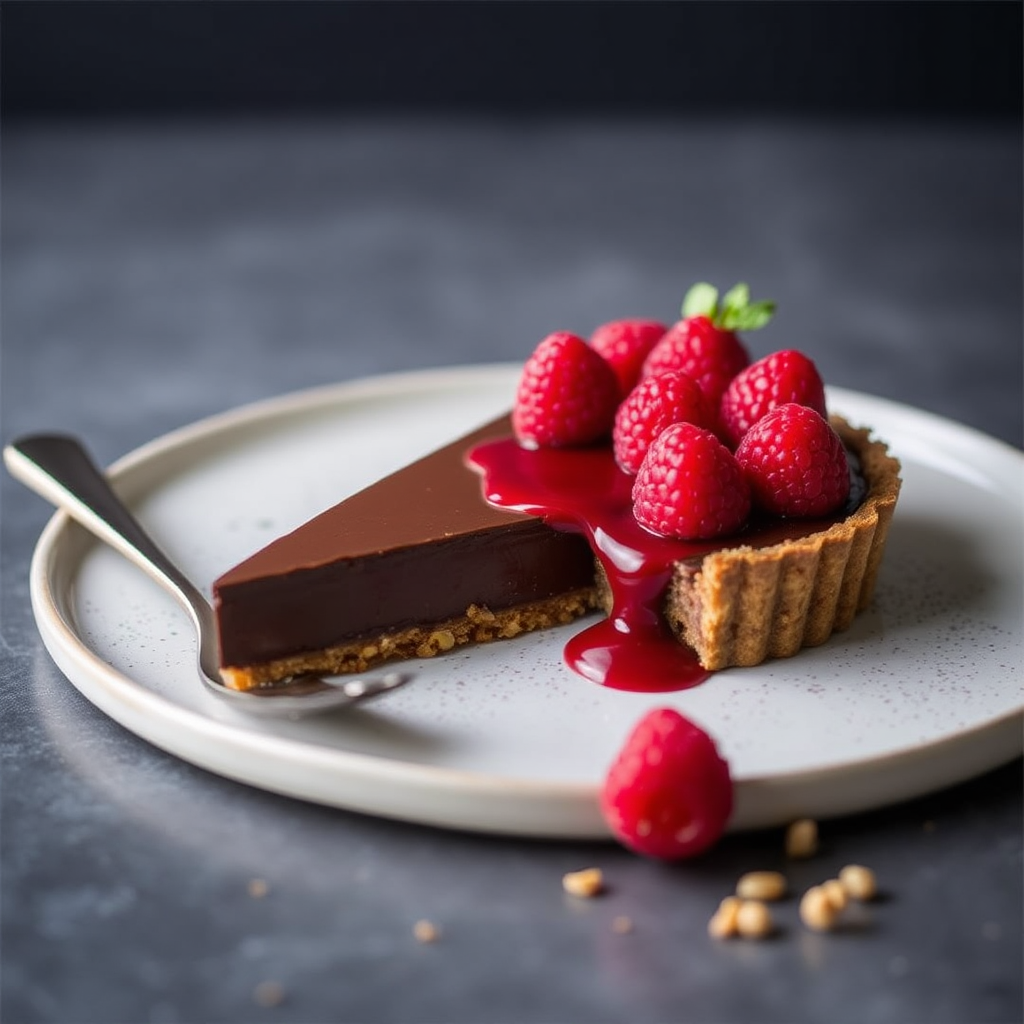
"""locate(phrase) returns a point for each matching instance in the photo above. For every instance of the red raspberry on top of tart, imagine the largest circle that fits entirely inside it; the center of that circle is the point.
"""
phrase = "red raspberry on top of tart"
(778, 378)
(625, 345)
(705, 343)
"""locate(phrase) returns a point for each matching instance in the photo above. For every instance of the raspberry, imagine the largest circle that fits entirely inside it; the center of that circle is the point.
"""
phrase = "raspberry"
(690, 486)
(654, 404)
(795, 462)
(710, 355)
(567, 394)
(625, 344)
(668, 793)
(787, 376)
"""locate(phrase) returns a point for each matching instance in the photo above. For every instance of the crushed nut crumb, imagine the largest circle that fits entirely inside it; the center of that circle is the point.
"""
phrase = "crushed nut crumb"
(258, 888)
(723, 923)
(802, 839)
(425, 931)
(761, 885)
(858, 881)
(480, 613)
(754, 920)
(268, 993)
(836, 893)
(817, 910)
(442, 640)
(586, 883)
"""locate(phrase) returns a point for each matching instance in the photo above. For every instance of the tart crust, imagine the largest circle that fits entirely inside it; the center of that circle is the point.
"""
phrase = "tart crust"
(743, 605)
(478, 625)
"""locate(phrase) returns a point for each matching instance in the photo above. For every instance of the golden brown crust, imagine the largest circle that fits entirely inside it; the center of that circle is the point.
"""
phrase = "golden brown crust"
(744, 605)
(478, 625)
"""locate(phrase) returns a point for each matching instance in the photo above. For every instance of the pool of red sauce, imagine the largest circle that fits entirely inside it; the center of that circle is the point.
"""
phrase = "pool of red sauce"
(584, 491)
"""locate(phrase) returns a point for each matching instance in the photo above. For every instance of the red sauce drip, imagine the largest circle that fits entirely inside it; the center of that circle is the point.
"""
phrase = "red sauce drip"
(584, 491)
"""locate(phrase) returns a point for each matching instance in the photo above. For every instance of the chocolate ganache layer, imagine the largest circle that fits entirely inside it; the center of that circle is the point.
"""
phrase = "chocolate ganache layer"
(413, 564)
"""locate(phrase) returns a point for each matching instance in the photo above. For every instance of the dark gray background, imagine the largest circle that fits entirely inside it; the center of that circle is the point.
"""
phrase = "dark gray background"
(849, 58)
(208, 204)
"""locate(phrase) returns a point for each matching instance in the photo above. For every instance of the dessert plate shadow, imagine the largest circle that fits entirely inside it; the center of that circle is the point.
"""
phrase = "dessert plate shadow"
(924, 690)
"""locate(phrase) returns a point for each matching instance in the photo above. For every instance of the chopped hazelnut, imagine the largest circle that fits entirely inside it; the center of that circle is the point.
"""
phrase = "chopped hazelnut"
(802, 839)
(268, 993)
(761, 885)
(817, 910)
(425, 931)
(258, 888)
(585, 883)
(723, 924)
(836, 893)
(858, 881)
(754, 920)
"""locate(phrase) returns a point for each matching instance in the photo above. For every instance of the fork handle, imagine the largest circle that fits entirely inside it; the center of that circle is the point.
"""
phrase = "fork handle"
(58, 468)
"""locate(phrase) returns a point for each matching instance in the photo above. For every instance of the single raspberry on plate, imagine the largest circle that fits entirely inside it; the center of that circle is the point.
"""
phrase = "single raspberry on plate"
(668, 794)
(690, 486)
(704, 343)
(795, 462)
(567, 394)
(654, 404)
(625, 344)
(786, 376)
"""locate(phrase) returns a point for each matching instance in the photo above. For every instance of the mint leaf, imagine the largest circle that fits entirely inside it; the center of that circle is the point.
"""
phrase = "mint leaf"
(748, 317)
(736, 312)
(701, 300)
(736, 297)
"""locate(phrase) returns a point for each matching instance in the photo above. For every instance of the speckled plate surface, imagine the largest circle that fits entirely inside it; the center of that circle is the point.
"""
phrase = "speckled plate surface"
(923, 691)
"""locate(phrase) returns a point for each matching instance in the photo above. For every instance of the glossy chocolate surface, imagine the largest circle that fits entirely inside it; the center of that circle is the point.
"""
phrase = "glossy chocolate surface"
(417, 547)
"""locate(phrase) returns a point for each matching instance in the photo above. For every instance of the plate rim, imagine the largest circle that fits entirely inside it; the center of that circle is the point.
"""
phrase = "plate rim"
(553, 809)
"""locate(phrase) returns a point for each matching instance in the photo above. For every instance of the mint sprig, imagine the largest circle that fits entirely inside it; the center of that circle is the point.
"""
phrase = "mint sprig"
(735, 312)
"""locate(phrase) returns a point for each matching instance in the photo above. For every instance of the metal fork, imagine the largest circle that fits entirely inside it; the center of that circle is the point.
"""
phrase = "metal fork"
(58, 468)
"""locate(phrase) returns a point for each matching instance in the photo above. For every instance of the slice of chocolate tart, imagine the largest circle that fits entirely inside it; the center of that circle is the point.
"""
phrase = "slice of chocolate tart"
(420, 563)
(413, 565)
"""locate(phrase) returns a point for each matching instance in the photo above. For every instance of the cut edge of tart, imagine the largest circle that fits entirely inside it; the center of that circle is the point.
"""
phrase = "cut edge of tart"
(478, 625)
(740, 606)
(414, 565)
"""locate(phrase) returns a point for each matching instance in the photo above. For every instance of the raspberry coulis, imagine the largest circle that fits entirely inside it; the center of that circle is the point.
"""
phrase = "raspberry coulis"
(582, 490)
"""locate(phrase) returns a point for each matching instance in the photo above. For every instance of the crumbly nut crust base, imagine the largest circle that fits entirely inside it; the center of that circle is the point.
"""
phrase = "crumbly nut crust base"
(478, 625)
(743, 605)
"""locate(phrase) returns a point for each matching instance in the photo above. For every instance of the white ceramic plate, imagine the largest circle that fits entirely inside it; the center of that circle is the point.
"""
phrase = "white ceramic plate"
(922, 692)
